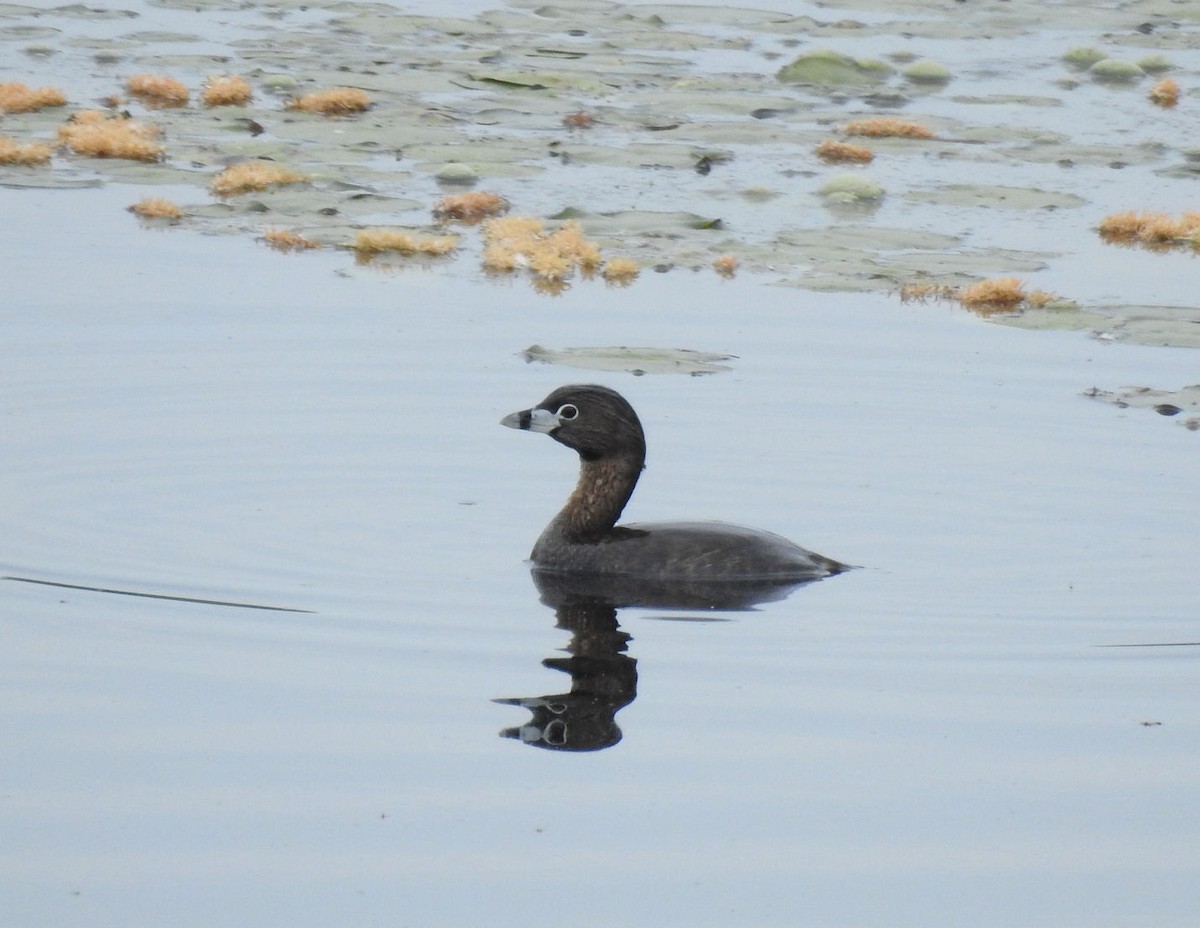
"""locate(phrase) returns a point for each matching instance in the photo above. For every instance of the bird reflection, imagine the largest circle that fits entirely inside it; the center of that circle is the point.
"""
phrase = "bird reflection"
(603, 675)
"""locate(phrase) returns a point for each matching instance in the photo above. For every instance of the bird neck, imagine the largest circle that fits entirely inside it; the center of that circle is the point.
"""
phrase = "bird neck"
(604, 487)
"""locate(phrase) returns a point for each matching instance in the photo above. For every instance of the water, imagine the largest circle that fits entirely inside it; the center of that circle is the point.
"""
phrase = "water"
(945, 736)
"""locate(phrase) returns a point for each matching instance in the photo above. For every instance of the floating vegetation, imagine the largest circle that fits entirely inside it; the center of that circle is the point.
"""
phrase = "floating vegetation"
(457, 173)
(1156, 231)
(515, 242)
(927, 72)
(851, 188)
(995, 295)
(340, 101)
(824, 66)
(28, 154)
(620, 271)
(287, 240)
(227, 90)
(726, 265)
(844, 153)
(880, 127)
(634, 360)
(1115, 71)
(1083, 57)
(16, 97)
(156, 208)
(469, 207)
(1155, 64)
(371, 242)
(157, 90)
(247, 176)
(1169, 403)
(94, 134)
(1165, 93)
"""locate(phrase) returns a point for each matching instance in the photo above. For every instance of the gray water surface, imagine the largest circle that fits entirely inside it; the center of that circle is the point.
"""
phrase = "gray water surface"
(936, 738)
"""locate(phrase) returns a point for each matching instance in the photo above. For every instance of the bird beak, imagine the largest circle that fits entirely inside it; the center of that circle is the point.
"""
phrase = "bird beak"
(532, 420)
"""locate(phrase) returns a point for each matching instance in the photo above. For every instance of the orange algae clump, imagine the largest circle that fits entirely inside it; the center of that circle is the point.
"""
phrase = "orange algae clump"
(15, 97)
(886, 127)
(469, 207)
(340, 101)
(844, 152)
(227, 90)
(93, 134)
(29, 154)
(370, 242)
(156, 208)
(157, 90)
(726, 265)
(287, 240)
(252, 175)
(1165, 93)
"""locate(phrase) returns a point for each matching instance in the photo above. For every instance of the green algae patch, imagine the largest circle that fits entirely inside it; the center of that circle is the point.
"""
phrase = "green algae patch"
(851, 188)
(1115, 71)
(829, 68)
(632, 360)
(927, 72)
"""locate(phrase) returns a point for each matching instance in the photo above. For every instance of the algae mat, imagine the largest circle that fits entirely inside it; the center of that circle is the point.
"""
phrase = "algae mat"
(676, 134)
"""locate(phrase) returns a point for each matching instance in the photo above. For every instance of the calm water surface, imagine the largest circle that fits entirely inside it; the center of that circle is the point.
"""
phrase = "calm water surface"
(937, 739)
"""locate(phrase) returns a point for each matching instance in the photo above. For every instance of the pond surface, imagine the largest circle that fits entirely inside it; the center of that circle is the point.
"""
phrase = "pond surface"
(282, 662)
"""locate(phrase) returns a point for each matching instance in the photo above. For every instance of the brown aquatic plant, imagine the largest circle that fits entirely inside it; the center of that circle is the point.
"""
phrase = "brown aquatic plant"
(28, 154)
(995, 295)
(156, 208)
(726, 265)
(1165, 93)
(887, 127)
(287, 240)
(515, 242)
(226, 90)
(843, 153)
(157, 90)
(16, 97)
(247, 176)
(620, 271)
(1154, 230)
(469, 207)
(339, 101)
(96, 135)
(371, 242)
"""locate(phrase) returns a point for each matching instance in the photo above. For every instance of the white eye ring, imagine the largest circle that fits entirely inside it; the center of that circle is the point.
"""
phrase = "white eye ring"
(567, 412)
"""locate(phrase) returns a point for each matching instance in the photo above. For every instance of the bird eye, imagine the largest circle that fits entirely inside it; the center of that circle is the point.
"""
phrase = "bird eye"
(567, 412)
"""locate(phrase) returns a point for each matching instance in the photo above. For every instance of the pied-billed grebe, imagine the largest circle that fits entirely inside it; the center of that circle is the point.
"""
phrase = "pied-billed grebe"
(584, 537)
